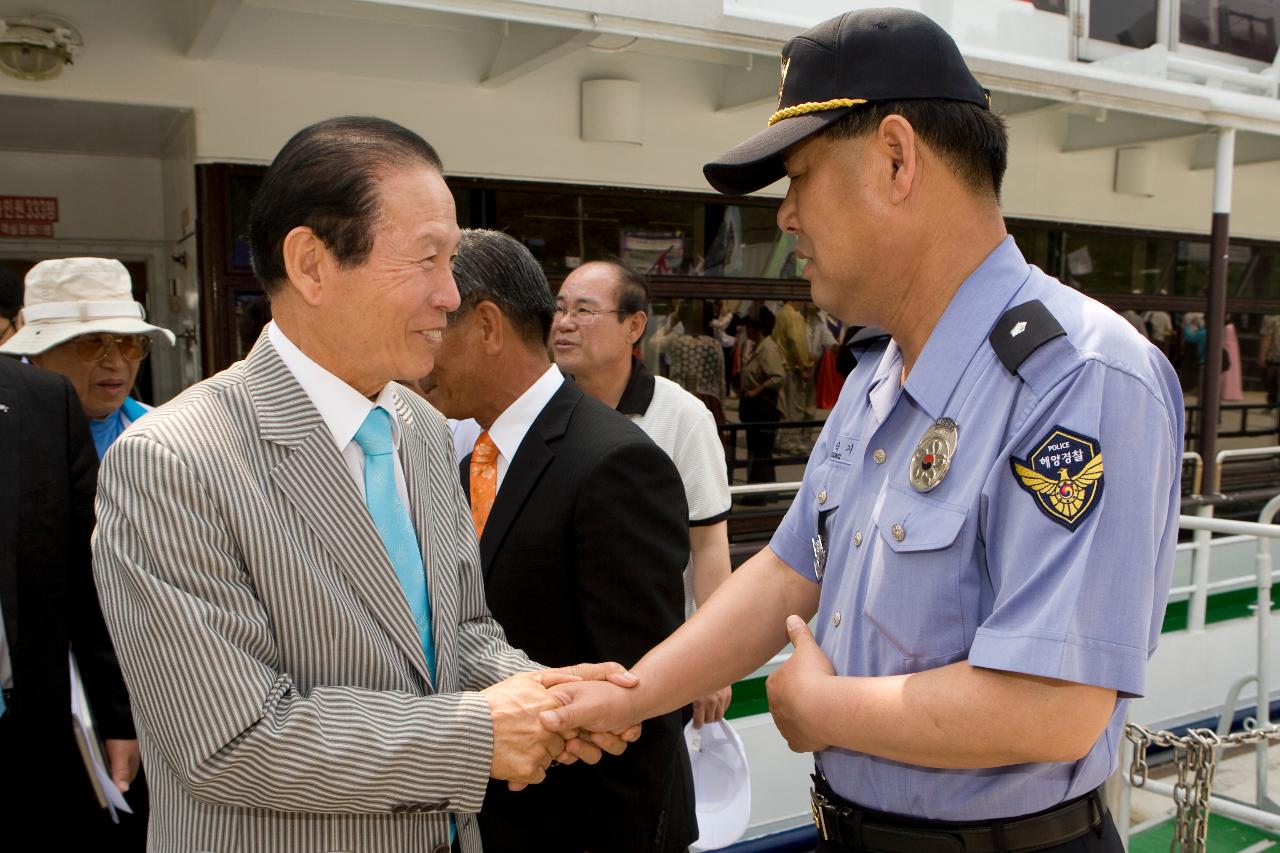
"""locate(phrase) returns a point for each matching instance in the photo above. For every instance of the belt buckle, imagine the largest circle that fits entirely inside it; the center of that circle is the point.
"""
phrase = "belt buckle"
(817, 802)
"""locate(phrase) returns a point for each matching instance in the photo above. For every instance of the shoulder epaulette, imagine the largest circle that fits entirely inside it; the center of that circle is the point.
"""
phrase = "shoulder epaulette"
(1022, 330)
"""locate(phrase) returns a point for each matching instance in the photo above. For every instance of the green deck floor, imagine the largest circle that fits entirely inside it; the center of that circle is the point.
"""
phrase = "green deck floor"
(1225, 836)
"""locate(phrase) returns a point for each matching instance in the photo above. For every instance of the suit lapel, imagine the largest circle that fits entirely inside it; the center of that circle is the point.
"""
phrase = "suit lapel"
(428, 474)
(314, 478)
(531, 459)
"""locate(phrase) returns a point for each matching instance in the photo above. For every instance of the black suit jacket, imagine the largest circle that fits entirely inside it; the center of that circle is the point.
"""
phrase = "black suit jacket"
(583, 557)
(48, 477)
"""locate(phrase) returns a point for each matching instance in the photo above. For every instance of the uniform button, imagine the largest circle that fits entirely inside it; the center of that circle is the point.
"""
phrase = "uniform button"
(835, 620)
(857, 537)
(899, 532)
(822, 496)
(879, 456)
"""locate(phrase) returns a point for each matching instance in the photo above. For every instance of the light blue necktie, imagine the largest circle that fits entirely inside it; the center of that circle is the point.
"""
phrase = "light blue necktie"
(392, 520)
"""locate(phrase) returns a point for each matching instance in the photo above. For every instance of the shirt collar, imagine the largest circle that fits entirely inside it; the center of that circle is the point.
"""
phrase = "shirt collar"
(342, 407)
(509, 428)
(964, 326)
(886, 382)
(638, 394)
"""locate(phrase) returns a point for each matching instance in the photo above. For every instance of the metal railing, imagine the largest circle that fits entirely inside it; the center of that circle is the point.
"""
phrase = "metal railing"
(1236, 455)
(1264, 812)
(1255, 419)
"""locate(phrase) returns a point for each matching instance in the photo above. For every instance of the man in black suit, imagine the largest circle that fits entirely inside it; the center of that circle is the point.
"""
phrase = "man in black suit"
(48, 474)
(583, 541)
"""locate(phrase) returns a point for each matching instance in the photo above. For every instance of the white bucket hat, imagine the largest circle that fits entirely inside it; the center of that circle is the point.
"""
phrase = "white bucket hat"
(69, 297)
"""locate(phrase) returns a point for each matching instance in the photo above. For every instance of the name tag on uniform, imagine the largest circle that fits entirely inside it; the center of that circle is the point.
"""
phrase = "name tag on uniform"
(842, 449)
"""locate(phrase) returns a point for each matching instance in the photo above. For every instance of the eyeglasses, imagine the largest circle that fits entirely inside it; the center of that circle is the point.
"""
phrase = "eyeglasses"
(97, 347)
(583, 315)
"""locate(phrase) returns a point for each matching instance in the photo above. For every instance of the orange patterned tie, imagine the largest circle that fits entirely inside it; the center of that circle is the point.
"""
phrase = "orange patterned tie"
(484, 480)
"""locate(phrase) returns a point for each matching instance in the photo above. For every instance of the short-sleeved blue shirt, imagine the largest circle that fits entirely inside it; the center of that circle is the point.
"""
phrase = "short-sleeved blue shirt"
(1022, 559)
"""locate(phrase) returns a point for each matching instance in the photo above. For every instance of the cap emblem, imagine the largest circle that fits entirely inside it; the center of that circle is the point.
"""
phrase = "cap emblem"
(786, 60)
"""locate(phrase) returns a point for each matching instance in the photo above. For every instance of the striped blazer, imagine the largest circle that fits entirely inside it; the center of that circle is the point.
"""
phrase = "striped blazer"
(279, 688)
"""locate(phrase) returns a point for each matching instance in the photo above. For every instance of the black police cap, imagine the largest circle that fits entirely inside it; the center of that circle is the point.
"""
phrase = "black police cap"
(854, 59)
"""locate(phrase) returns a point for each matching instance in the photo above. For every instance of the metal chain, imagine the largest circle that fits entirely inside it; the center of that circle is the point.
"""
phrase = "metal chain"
(1195, 756)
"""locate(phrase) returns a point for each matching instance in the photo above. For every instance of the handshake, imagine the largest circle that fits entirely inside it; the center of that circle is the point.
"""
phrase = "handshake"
(529, 732)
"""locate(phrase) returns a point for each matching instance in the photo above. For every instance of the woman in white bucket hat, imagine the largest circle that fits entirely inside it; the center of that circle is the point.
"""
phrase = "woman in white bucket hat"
(80, 320)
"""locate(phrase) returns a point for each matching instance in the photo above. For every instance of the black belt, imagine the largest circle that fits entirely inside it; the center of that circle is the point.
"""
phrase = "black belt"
(859, 829)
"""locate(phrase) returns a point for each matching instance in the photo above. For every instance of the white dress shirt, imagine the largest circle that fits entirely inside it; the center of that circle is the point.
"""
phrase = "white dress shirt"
(509, 429)
(343, 409)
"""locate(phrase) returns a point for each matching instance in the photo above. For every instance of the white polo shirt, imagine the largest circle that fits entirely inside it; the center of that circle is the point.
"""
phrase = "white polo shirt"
(684, 428)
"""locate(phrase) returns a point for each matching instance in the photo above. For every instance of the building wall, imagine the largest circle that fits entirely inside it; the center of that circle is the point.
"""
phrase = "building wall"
(248, 99)
(99, 198)
(1045, 183)
(179, 302)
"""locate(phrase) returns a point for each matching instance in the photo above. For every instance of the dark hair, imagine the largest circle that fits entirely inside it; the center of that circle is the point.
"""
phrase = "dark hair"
(972, 140)
(496, 267)
(633, 288)
(10, 294)
(763, 321)
(326, 178)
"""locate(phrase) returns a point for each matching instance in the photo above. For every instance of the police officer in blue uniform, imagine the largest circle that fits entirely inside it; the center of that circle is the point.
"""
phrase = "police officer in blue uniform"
(987, 525)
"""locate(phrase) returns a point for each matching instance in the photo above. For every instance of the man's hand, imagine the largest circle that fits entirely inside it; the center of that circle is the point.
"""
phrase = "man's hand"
(122, 761)
(615, 673)
(792, 687)
(711, 708)
(523, 748)
(594, 706)
(590, 746)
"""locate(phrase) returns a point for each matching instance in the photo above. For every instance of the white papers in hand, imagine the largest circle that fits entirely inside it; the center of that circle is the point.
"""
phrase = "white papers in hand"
(109, 797)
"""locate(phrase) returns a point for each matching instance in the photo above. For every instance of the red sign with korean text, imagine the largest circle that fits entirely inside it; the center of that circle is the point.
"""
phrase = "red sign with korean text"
(26, 229)
(25, 208)
(27, 216)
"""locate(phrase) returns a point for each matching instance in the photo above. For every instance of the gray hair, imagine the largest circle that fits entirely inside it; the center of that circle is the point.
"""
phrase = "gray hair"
(495, 267)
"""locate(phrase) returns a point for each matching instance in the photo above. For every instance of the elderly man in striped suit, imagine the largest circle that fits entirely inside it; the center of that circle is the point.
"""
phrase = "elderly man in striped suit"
(286, 560)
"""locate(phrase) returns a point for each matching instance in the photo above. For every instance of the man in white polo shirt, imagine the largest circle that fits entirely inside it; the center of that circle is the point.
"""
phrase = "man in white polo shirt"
(601, 312)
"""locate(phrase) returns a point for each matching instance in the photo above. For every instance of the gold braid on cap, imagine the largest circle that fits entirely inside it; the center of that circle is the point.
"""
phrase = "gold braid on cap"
(814, 107)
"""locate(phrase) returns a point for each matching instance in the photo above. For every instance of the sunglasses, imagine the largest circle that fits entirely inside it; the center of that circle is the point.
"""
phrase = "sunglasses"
(97, 347)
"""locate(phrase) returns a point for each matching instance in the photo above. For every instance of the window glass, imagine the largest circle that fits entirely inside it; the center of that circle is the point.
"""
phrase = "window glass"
(746, 242)
(462, 202)
(250, 311)
(1192, 276)
(1037, 243)
(1259, 274)
(1241, 27)
(563, 229)
(1131, 23)
(1098, 262)
(240, 192)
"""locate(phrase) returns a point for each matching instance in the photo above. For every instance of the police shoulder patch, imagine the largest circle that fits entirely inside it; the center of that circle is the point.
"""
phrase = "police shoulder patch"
(1063, 474)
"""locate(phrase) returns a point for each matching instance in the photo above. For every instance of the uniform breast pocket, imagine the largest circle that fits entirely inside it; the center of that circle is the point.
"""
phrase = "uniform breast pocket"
(913, 591)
